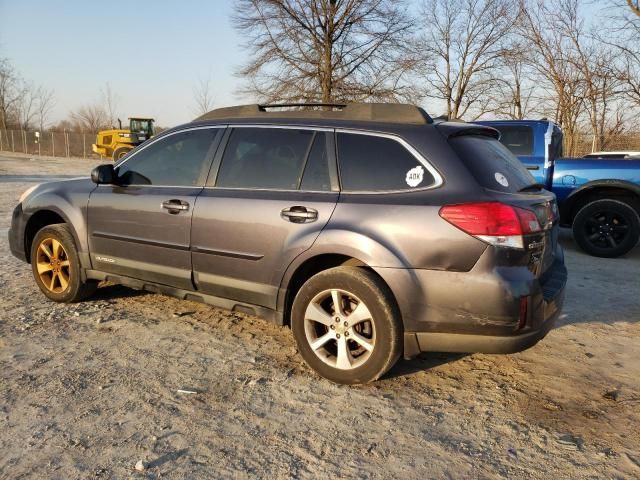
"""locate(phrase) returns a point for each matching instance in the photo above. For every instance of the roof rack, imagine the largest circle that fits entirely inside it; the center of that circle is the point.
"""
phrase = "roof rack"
(367, 112)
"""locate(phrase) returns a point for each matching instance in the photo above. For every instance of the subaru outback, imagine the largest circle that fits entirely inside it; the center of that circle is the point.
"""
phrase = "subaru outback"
(371, 230)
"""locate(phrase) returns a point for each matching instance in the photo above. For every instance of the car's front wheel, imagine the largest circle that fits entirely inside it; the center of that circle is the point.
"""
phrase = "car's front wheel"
(347, 325)
(56, 266)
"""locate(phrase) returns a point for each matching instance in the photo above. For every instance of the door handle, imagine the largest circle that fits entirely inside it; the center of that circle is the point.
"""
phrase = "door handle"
(533, 167)
(299, 214)
(175, 206)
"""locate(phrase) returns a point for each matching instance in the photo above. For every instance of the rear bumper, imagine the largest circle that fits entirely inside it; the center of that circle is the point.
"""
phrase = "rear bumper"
(16, 233)
(479, 310)
(478, 343)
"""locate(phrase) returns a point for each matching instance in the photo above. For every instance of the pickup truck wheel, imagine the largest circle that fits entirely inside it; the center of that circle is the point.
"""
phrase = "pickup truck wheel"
(606, 228)
(56, 266)
(120, 152)
(347, 325)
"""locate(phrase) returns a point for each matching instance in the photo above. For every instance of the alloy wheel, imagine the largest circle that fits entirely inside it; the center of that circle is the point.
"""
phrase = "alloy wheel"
(339, 329)
(53, 265)
(606, 229)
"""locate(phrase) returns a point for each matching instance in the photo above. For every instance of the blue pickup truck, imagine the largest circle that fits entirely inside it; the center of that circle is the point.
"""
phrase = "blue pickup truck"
(599, 198)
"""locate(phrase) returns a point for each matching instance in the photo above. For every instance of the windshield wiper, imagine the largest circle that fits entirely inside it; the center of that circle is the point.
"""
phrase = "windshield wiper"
(532, 187)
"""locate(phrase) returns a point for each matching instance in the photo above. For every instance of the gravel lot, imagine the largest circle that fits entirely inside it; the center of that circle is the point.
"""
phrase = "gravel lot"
(88, 390)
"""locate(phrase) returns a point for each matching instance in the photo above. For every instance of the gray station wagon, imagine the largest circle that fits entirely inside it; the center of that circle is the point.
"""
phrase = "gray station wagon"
(371, 230)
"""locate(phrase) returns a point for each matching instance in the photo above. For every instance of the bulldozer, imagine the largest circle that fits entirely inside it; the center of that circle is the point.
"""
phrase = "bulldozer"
(117, 142)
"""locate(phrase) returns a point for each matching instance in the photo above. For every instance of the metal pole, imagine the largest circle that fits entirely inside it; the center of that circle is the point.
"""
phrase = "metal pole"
(53, 145)
(13, 143)
(1, 147)
(24, 141)
(84, 146)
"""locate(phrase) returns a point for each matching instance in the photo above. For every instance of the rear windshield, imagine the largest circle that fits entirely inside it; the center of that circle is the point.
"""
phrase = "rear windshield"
(518, 139)
(492, 165)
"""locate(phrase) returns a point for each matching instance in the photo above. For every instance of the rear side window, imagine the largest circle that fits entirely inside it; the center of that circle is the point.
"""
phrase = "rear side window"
(518, 139)
(264, 158)
(370, 163)
(492, 165)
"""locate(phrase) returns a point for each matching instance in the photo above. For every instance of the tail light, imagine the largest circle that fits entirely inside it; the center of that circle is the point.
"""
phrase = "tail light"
(493, 222)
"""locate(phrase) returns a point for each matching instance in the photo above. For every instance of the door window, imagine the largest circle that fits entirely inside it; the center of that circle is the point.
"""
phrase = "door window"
(316, 176)
(181, 159)
(371, 163)
(264, 158)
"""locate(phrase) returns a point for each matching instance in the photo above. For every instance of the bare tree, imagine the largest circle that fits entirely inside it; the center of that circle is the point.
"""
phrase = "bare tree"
(45, 104)
(10, 94)
(552, 58)
(326, 50)
(111, 101)
(202, 96)
(515, 94)
(91, 118)
(26, 106)
(462, 45)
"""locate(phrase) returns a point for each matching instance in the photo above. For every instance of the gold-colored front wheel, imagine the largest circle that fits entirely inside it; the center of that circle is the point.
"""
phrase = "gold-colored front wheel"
(56, 265)
(53, 265)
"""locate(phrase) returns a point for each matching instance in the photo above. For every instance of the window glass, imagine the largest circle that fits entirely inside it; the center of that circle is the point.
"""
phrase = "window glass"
(177, 160)
(316, 173)
(492, 165)
(371, 163)
(268, 158)
(518, 139)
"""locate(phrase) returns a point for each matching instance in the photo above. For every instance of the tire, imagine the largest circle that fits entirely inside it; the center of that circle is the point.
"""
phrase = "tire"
(378, 325)
(606, 228)
(120, 152)
(54, 243)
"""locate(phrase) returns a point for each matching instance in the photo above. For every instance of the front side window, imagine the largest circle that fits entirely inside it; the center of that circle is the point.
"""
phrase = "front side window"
(180, 159)
(265, 158)
(371, 163)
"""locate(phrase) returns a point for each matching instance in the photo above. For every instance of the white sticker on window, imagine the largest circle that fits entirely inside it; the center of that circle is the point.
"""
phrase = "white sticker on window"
(501, 179)
(415, 176)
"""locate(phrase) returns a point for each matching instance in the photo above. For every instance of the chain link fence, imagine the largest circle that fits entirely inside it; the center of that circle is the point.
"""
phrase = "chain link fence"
(78, 144)
(49, 143)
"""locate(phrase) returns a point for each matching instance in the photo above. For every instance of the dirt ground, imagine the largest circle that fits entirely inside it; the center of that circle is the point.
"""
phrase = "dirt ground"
(88, 390)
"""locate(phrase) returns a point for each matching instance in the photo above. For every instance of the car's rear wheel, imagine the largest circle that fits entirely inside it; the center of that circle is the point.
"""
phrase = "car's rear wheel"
(347, 325)
(56, 267)
(606, 228)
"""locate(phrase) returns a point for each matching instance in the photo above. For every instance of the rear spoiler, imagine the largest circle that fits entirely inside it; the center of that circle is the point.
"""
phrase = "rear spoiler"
(452, 130)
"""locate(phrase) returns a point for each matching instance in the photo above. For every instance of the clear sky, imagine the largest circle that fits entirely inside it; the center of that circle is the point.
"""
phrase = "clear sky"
(152, 53)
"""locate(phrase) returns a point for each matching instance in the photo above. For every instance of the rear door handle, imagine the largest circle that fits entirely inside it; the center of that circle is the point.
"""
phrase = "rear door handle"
(533, 167)
(175, 206)
(299, 214)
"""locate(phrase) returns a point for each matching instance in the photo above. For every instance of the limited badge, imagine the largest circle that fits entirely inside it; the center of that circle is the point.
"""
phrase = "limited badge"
(415, 176)
(501, 179)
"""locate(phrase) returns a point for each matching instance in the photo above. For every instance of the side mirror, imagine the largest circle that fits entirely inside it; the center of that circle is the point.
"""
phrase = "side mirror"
(103, 174)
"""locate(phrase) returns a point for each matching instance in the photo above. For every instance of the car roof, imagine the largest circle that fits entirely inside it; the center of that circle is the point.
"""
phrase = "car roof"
(388, 113)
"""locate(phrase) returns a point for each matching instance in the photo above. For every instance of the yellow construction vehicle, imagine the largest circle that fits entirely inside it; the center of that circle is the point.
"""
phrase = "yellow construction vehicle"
(115, 143)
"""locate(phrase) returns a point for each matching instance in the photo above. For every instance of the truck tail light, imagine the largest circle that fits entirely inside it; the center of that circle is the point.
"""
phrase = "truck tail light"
(493, 222)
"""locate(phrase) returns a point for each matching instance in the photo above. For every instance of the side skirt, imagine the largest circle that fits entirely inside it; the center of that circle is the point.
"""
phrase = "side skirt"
(224, 303)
